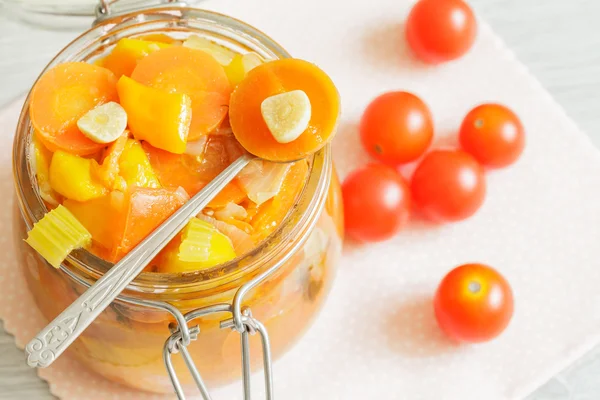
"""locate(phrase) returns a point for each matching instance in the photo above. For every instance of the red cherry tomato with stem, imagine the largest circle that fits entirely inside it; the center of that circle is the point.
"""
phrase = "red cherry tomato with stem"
(493, 134)
(448, 185)
(441, 30)
(396, 128)
(473, 303)
(376, 203)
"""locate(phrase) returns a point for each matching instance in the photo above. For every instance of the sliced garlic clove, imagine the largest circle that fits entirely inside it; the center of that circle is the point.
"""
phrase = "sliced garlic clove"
(287, 115)
(104, 124)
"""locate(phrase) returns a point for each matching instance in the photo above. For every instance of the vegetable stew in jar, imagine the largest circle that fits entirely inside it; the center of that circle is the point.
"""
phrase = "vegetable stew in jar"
(128, 122)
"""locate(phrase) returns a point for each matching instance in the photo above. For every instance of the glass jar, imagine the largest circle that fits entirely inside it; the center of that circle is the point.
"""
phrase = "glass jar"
(125, 343)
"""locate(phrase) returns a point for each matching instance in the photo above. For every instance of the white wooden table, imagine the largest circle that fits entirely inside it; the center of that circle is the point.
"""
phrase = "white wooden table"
(559, 40)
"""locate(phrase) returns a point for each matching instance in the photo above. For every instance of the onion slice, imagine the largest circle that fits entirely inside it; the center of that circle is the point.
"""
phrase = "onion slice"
(231, 210)
(262, 180)
(242, 242)
(197, 147)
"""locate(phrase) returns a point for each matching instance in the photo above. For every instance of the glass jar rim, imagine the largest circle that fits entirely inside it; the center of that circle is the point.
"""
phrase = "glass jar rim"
(87, 8)
(82, 265)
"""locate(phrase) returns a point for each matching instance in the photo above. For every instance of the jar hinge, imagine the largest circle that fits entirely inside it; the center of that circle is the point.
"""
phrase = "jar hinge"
(182, 335)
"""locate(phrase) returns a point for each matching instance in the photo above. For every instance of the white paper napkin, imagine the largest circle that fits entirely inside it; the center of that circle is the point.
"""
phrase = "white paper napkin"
(540, 226)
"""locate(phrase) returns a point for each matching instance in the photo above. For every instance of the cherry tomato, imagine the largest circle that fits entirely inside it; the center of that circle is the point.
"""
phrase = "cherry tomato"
(376, 203)
(473, 303)
(448, 185)
(440, 30)
(396, 128)
(493, 134)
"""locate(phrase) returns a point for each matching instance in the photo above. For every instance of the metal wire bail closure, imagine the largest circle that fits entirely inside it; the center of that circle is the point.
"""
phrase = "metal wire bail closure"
(175, 344)
(107, 8)
(241, 321)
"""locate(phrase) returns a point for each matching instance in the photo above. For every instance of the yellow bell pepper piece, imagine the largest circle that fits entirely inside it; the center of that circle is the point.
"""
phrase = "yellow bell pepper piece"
(99, 216)
(126, 54)
(156, 116)
(71, 176)
(135, 168)
(41, 157)
(235, 70)
(240, 65)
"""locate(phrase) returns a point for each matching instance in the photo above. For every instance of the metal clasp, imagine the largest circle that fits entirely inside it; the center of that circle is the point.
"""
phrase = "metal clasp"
(175, 344)
(241, 321)
(107, 8)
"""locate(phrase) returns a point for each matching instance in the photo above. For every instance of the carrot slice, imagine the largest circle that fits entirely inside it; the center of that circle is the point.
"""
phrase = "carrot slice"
(277, 77)
(271, 213)
(126, 54)
(160, 37)
(194, 172)
(40, 137)
(195, 73)
(62, 96)
(173, 170)
(334, 204)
